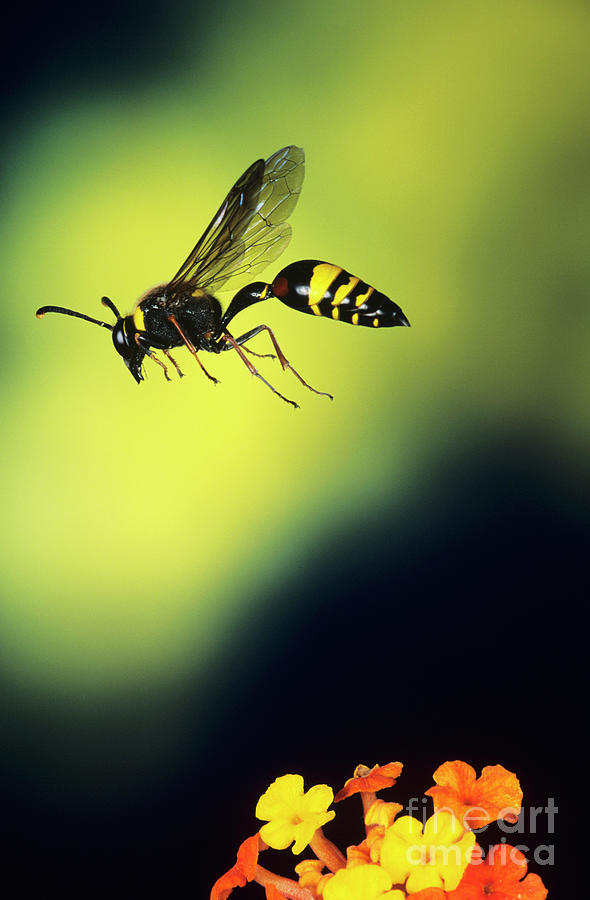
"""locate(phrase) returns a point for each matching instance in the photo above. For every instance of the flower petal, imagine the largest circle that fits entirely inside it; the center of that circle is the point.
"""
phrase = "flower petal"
(247, 858)
(443, 828)
(278, 834)
(241, 872)
(408, 829)
(476, 802)
(292, 814)
(375, 779)
(499, 791)
(303, 833)
(501, 876)
(318, 798)
(436, 858)
(284, 791)
(457, 775)
(429, 894)
(359, 883)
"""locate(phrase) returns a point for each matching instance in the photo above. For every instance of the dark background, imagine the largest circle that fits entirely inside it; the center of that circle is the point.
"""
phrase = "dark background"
(465, 650)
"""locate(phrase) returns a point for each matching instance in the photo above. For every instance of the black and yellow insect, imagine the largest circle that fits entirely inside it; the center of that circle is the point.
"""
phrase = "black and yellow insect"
(248, 232)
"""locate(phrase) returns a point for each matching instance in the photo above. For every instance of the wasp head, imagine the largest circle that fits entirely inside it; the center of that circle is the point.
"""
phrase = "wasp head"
(126, 346)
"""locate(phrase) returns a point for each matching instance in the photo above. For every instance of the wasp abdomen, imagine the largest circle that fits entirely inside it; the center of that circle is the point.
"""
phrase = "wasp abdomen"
(323, 289)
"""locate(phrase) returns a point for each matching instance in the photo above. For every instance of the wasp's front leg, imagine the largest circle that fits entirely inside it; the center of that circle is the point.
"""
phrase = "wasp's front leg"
(143, 344)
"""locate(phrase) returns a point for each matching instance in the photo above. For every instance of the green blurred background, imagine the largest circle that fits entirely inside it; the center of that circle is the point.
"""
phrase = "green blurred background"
(174, 553)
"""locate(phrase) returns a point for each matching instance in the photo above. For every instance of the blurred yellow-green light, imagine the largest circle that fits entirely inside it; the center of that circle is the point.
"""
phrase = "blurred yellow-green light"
(142, 524)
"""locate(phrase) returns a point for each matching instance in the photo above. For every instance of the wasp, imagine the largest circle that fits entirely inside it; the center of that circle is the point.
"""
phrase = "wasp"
(248, 232)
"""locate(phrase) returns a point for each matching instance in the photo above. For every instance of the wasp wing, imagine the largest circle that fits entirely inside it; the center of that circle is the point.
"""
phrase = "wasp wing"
(249, 230)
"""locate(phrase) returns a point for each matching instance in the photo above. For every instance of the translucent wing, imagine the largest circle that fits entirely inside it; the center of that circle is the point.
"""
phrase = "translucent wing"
(249, 230)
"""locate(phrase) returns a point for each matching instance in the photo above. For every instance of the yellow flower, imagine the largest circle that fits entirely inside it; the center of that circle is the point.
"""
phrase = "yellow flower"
(291, 814)
(361, 883)
(436, 858)
(382, 813)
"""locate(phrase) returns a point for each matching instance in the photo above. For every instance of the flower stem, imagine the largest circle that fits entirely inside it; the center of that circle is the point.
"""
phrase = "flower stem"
(286, 886)
(368, 798)
(325, 850)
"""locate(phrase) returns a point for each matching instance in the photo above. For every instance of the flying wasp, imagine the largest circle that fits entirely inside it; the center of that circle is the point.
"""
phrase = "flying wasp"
(248, 232)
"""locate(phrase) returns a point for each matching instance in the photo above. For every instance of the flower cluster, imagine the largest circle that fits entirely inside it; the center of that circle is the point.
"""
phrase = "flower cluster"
(399, 856)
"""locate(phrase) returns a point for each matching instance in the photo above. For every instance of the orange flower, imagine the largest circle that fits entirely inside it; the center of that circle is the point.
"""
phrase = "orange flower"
(496, 794)
(430, 894)
(501, 876)
(242, 871)
(370, 780)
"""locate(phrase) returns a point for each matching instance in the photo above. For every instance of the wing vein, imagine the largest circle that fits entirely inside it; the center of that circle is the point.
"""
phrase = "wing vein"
(249, 230)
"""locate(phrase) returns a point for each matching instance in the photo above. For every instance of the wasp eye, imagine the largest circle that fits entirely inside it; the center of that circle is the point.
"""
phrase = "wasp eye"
(120, 340)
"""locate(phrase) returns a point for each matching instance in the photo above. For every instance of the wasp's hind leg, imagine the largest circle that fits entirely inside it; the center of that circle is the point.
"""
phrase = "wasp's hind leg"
(281, 356)
(230, 342)
(254, 353)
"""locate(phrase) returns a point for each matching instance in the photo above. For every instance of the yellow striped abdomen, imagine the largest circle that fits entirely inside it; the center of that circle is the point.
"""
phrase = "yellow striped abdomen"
(324, 289)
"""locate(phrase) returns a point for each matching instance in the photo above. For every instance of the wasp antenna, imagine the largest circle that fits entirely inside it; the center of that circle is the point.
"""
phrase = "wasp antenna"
(70, 312)
(106, 301)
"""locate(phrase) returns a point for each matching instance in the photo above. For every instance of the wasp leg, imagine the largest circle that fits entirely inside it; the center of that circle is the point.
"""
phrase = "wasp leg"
(259, 355)
(192, 348)
(152, 356)
(234, 343)
(282, 358)
(246, 337)
(174, 363)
